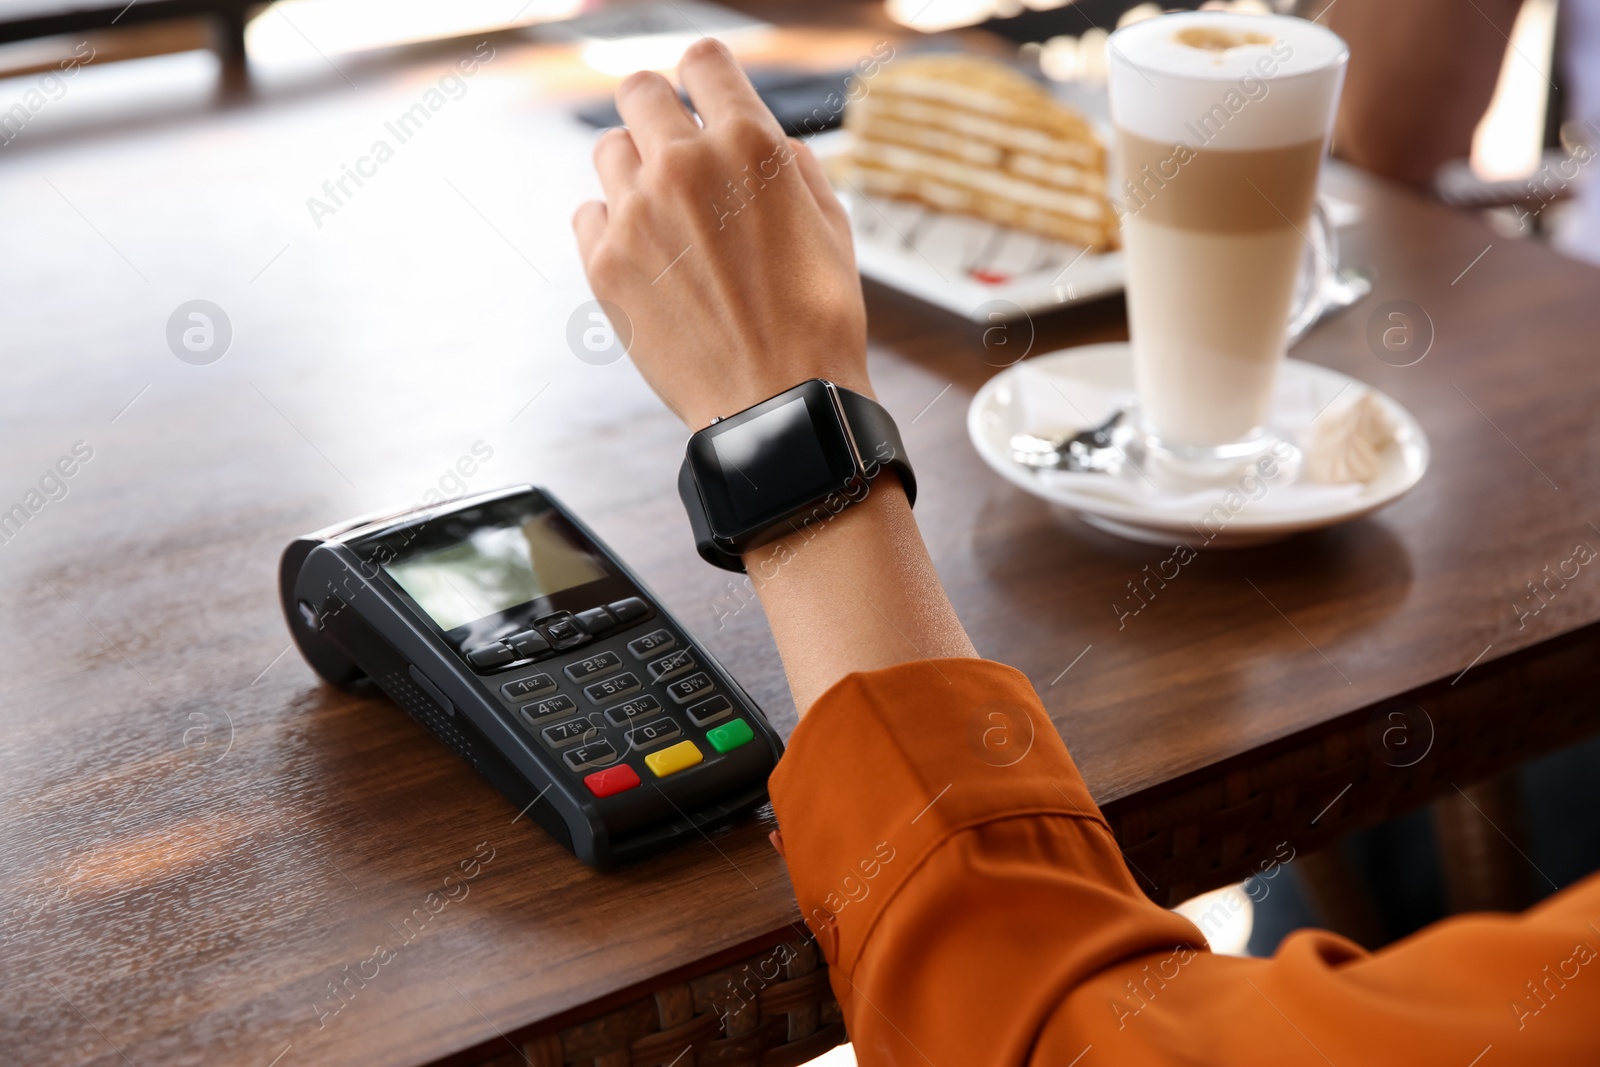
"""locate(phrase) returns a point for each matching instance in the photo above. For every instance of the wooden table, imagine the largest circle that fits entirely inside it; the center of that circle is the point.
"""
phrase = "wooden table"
(24, 20)
(200, 842)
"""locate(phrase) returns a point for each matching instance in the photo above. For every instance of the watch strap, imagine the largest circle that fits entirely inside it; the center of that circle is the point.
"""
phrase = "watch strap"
(877, 441)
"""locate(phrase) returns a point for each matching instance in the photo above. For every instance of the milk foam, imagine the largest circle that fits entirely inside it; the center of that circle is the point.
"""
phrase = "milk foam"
(1255, 95)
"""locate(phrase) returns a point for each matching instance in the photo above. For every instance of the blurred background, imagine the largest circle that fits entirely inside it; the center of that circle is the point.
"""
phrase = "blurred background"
(464, 238)
(1541, 109)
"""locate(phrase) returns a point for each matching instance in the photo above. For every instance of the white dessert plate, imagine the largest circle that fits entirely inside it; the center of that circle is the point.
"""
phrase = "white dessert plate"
(978, 270)
(984, 272)
(1095, 379)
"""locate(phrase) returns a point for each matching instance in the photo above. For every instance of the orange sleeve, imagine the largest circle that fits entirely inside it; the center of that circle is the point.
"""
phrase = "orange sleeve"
(974, 910)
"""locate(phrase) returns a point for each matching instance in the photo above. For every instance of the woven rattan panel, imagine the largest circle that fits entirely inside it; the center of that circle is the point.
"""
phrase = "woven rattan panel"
(774, 1009)
(1228, 822)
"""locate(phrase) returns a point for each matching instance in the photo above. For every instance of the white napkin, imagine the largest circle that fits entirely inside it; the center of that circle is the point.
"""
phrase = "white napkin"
(1053, 403)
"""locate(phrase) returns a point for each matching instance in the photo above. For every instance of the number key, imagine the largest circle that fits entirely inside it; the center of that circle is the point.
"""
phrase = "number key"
(570, 733)
(633, 710)
(671, 665)
(593, 667)
(523, 688)
(686, 689)
(653, 733)
(547, 708)
(651, 643)
(611, 688)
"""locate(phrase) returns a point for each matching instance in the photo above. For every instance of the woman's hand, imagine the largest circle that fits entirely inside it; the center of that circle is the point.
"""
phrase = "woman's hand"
(724, 245)
(731, 257)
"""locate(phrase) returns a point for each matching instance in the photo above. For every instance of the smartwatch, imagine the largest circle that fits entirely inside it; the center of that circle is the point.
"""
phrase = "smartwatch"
(797, 458)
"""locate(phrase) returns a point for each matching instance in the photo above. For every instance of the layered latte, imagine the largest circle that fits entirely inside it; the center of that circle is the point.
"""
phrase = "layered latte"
(1221, 124)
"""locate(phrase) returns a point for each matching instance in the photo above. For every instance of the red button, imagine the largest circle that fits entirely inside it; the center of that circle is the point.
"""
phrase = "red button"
(612, 780)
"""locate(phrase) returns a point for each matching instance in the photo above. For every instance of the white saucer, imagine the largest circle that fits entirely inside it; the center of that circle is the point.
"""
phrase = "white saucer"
(998, 411)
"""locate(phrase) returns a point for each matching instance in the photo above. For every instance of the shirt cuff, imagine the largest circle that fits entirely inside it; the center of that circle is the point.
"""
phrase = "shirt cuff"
(889, 764)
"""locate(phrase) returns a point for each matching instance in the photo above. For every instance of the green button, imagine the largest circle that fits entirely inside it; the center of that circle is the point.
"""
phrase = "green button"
(730, 735)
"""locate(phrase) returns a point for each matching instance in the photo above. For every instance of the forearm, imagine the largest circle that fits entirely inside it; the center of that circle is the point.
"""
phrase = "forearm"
(854, 592)
(1421, 76)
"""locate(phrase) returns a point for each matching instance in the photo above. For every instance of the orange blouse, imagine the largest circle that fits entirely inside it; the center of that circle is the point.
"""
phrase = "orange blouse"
(974, 909)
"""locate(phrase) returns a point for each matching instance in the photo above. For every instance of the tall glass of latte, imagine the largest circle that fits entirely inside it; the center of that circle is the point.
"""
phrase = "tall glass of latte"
(1221, 121)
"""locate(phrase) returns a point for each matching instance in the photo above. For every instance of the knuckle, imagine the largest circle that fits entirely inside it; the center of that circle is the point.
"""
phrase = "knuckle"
(680, 161)
(703, 49)
(610, 141)
(751, 134)
(633, 209)
(639, 79)
(605, 266)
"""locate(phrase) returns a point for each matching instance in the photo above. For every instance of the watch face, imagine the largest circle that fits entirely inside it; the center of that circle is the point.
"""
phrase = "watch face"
(758, 466)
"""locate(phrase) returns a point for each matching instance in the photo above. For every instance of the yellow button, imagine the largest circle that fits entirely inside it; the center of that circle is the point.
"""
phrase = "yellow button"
(672, 760)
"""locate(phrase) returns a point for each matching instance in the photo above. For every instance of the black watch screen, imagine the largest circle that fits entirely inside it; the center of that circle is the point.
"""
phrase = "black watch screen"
(758, 466)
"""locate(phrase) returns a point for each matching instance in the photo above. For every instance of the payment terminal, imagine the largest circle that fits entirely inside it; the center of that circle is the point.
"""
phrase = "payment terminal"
(507, 628)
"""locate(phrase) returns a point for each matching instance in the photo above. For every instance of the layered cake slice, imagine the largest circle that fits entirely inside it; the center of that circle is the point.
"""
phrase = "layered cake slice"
(967, 135)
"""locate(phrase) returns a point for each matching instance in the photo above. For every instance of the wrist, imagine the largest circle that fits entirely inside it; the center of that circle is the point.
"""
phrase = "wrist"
(855, 592)
(833, 527)
(846, 369)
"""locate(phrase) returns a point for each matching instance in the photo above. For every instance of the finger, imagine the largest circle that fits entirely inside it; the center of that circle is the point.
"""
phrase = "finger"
(718, 87)
(817, 181)
(616, 160)
(589, 223)
(652, 111)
